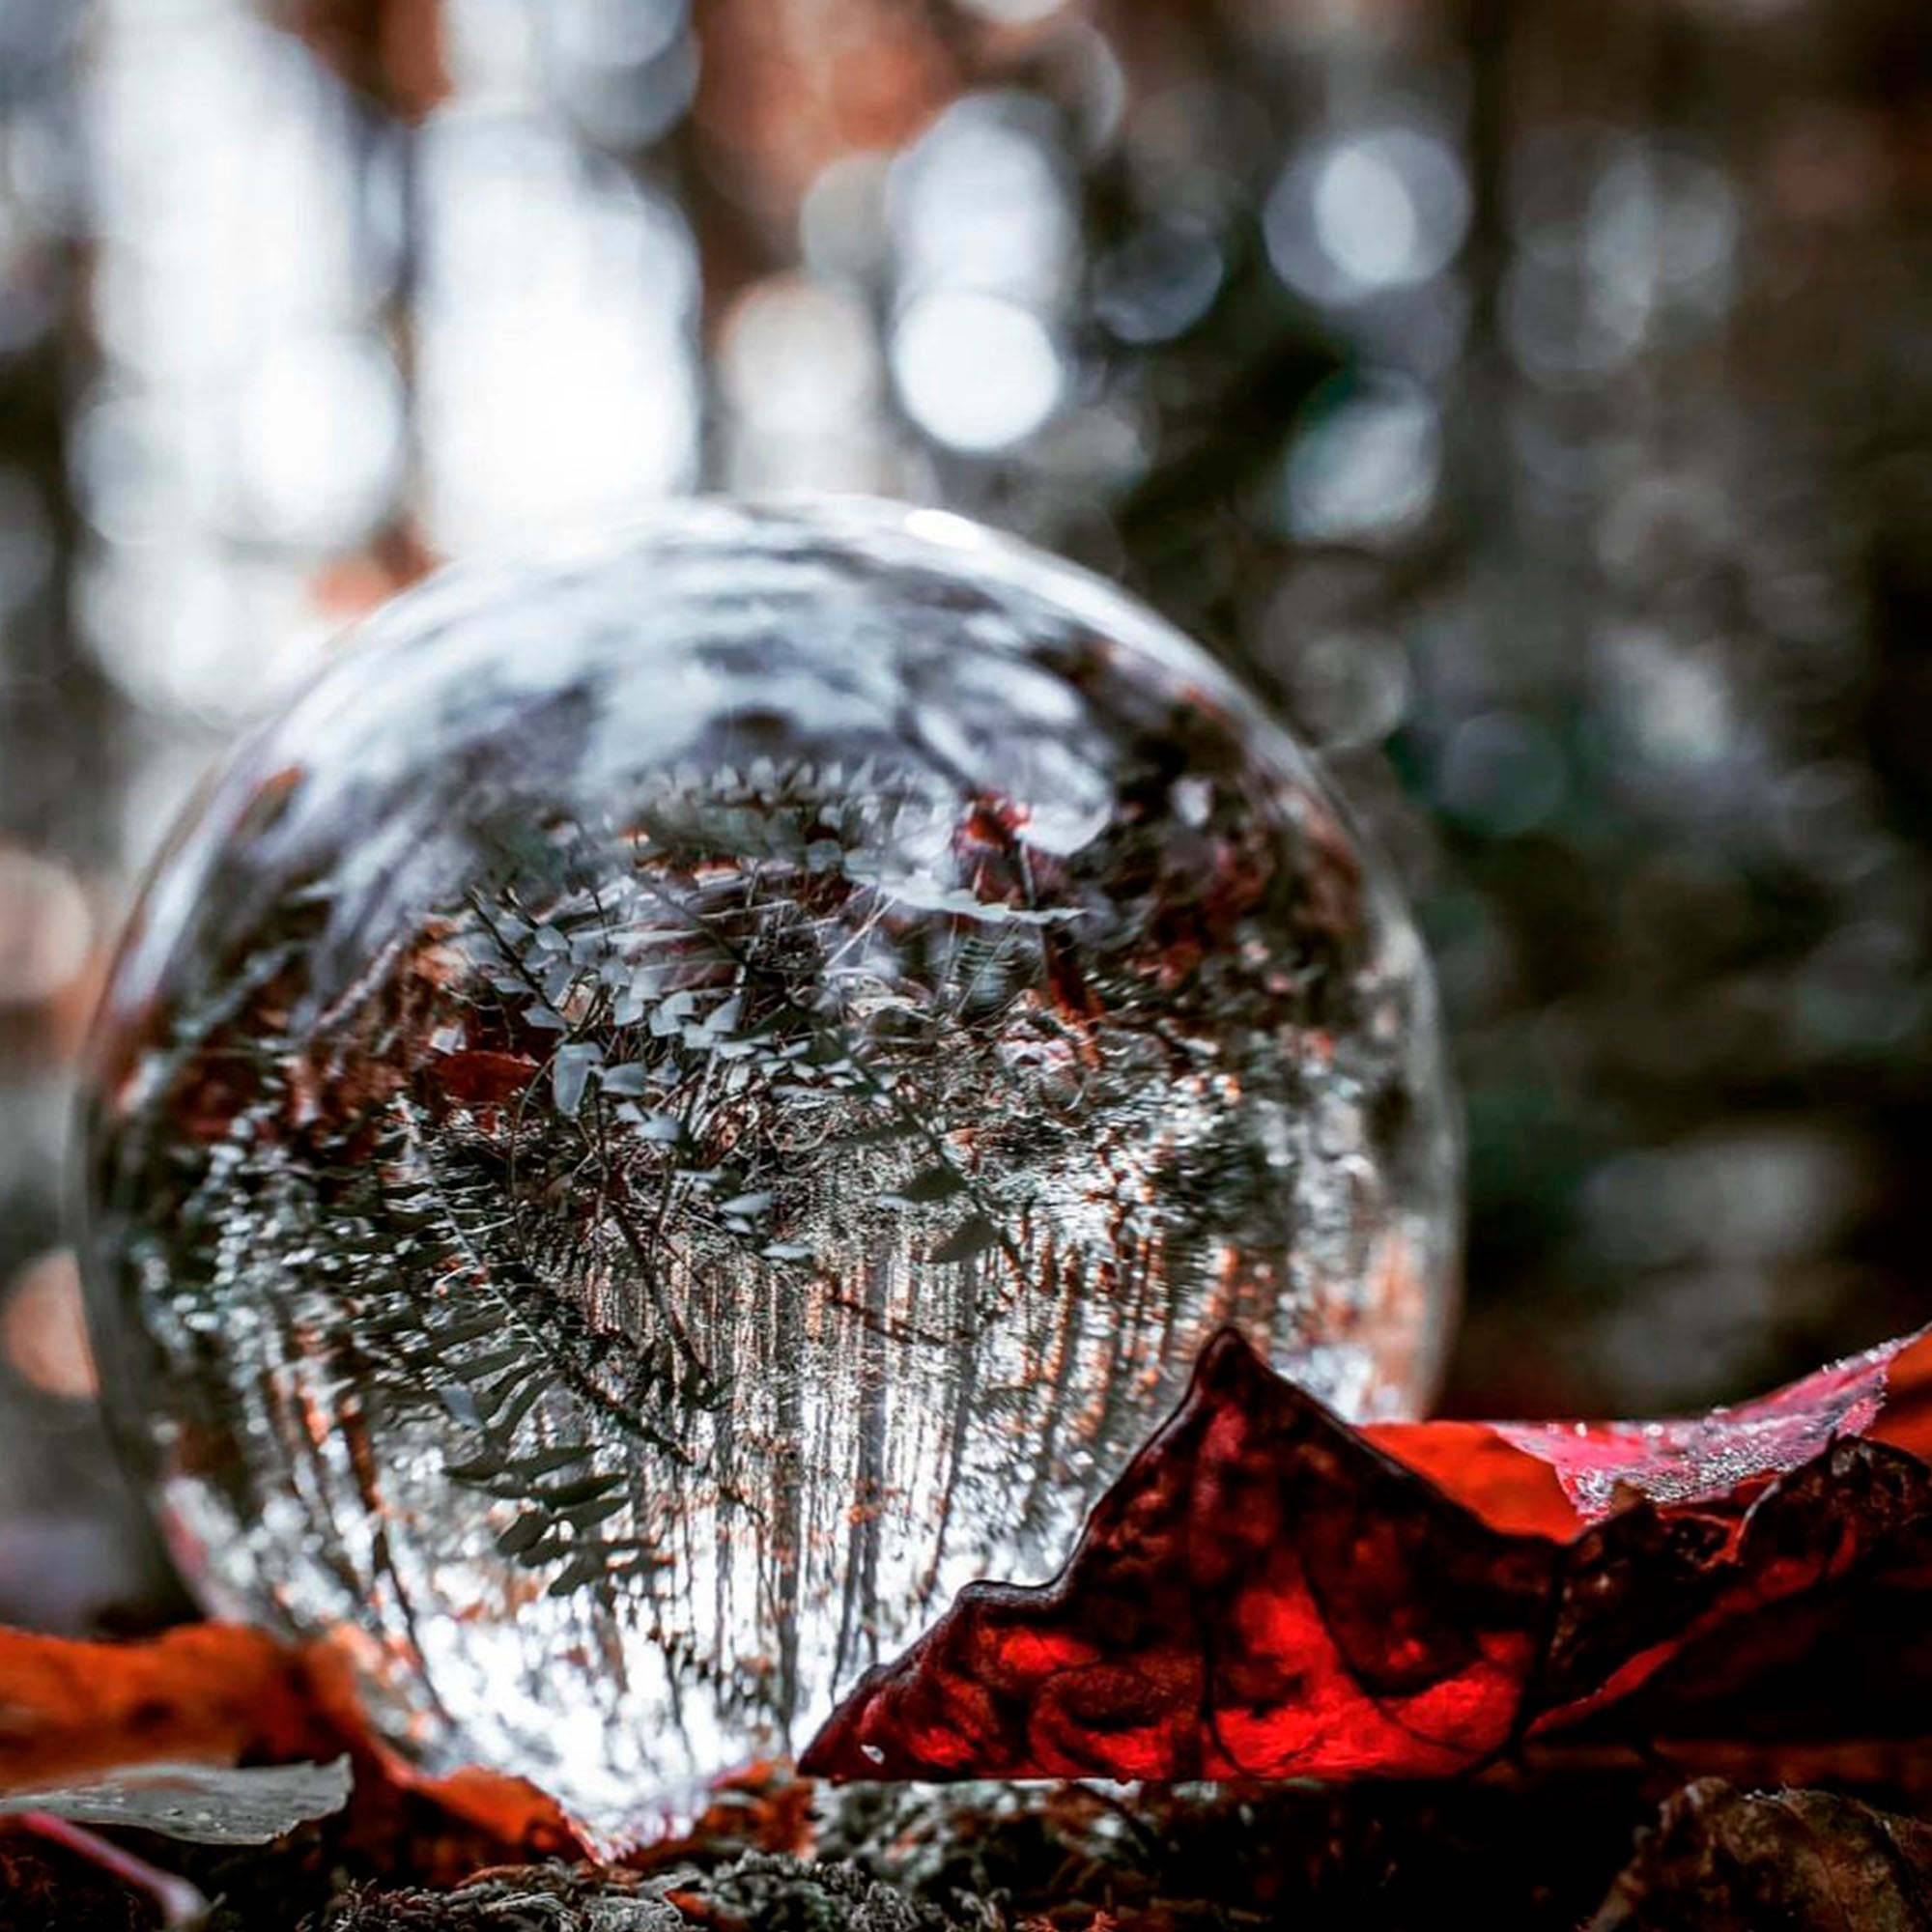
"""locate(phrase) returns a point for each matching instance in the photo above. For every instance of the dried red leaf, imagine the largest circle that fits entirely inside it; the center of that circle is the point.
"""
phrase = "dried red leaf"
(480, 1077)
(1266, 1593)
(1269, 1593)
(1262, 1593)
(1554, 1476)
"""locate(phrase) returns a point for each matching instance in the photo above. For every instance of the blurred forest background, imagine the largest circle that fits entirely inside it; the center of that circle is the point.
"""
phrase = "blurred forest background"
(1531, 396)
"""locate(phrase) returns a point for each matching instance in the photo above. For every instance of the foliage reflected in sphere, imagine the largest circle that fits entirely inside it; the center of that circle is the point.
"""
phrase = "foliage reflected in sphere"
(690, 1097)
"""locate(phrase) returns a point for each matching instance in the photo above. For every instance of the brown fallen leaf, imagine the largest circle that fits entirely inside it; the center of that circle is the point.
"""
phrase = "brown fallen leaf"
(207, 1693)
(53, 1884)
(1720, 1860)
(221, 1696)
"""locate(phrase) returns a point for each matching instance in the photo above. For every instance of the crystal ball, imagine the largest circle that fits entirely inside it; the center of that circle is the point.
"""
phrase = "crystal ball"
(698, 1092)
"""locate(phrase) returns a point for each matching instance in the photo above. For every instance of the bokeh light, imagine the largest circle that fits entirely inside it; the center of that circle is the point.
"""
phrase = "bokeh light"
(1364, 466)
(978, 203)
(46, 928)
(556, 348)
(42, 1332)
(1367, 210)
(975, 371)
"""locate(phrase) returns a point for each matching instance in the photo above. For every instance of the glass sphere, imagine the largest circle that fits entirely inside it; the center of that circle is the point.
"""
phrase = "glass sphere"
(695, 1095)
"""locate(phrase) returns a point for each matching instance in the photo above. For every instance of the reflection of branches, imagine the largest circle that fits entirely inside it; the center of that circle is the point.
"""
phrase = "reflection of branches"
(964, 1377)
(706, 1380)
(540, 1348)
(830, 1032)
(858, 1616)
(708, 1384)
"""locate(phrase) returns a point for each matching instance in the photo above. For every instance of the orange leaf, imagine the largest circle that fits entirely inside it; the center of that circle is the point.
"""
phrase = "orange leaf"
(211, 1693)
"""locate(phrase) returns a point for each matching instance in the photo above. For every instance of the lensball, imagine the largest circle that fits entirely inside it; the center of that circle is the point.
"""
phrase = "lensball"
(692, 1095)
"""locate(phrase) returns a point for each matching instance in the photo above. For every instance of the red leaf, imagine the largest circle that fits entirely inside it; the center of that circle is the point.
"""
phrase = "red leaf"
(1262, 1593)
(1269, 1593)
(1504, 1470)
(480, 1077)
